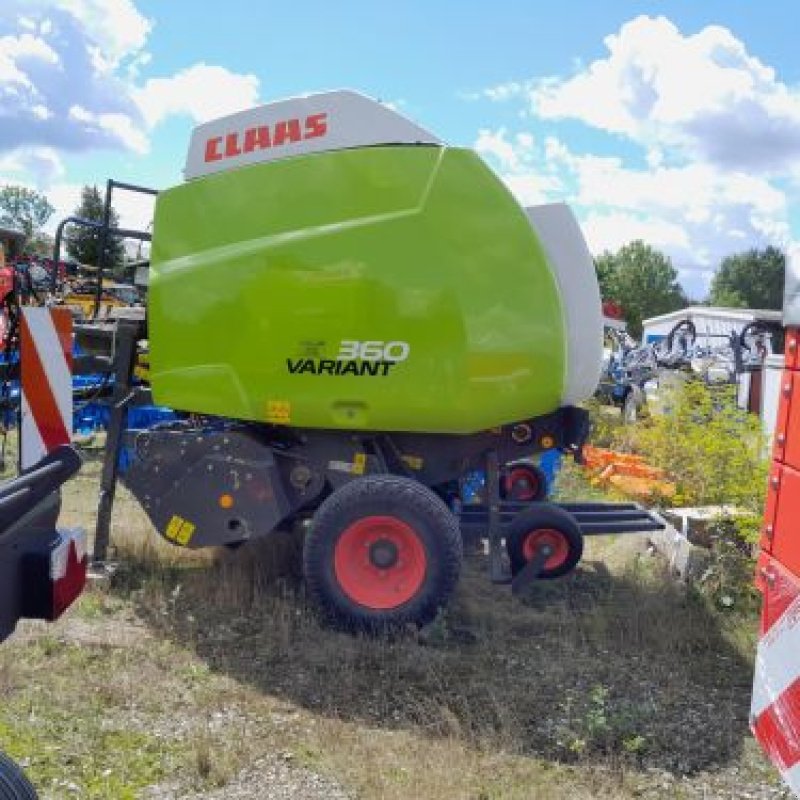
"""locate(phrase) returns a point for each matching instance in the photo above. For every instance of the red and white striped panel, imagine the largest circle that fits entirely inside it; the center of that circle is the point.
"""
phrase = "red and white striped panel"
(46, 382)
(775, 710)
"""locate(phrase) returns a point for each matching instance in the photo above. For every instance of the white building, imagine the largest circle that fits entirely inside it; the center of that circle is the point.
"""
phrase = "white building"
(757, 389)
(711, 321)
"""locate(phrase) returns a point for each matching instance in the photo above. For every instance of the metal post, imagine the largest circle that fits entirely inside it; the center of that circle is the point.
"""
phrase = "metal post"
(124, 359)
(497, 571)
(86, 223)
(102, 245)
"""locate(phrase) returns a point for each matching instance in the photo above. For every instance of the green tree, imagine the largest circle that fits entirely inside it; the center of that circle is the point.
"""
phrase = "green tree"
(604, 266)
(753, 279)
(642, 280)
(41, 244)
(83, 243)
(24, 209)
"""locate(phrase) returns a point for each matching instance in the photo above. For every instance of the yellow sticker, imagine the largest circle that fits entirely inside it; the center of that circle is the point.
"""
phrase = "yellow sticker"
(179, 530)
(279, 412)
(415, 462)
(359, 463)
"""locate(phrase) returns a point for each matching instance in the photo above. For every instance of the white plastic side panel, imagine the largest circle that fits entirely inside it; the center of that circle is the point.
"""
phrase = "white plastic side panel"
(301, 125)
(770, 393)
(791, 295)
(743, 390)
(566, 250)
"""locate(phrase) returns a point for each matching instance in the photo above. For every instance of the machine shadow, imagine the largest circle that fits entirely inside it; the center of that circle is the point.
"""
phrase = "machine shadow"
(595, 667)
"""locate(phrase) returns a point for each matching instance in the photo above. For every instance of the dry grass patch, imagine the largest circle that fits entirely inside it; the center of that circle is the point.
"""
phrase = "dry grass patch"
(613, 683)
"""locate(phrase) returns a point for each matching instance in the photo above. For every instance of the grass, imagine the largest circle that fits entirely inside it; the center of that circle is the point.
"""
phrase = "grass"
(62, 726)
(185, 669)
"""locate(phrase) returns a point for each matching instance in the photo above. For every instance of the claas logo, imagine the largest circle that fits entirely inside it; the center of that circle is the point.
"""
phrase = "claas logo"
(262, 137)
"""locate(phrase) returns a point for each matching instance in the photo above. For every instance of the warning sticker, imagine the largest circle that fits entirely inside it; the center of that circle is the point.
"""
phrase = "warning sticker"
(180, 530)
(279, 412)
(357, 467)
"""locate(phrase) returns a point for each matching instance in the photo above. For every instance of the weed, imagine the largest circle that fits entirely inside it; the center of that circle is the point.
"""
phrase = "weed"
(594, 723)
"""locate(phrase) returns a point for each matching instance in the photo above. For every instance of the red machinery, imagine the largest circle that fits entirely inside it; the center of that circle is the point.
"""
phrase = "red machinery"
(775, 710)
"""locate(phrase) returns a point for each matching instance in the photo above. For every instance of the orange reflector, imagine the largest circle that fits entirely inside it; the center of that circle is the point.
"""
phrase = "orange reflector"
(225, 501)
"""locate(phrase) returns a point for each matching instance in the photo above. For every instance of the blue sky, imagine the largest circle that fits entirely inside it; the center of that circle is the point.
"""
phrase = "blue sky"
(674, 122)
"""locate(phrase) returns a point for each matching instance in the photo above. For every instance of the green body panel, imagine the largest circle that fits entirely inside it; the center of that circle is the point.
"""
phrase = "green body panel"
(280, 262)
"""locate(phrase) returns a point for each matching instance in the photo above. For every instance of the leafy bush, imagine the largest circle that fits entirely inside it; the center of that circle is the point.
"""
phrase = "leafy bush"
(606, 424)
(717, 456)
(715, 452)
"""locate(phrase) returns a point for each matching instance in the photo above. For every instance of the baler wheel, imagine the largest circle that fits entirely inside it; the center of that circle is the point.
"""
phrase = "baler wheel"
(13, 783)
(383, 551)
(525, 483)
(544, 524)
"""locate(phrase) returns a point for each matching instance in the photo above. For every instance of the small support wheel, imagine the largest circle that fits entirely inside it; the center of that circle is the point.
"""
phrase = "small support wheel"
(13, 783)
(544, 525)
(383, 551)
(524, 482)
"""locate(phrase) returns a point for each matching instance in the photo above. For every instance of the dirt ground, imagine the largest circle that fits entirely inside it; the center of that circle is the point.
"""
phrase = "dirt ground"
(209, 677)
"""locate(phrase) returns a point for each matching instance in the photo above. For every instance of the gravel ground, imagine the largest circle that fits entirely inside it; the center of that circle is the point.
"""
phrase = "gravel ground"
(267, 779)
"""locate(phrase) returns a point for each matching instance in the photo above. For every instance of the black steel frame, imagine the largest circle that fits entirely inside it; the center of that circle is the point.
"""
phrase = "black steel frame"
(105, 230)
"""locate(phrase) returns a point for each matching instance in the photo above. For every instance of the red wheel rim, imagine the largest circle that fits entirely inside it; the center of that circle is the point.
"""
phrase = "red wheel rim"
(558, 543)
(521, 484)
(380, 562)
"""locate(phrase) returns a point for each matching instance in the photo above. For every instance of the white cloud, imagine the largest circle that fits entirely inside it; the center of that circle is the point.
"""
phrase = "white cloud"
(533, 189)
(702, 93)
(70, 78)
(694, 189)
(119, 126)
(41, 164)
(610, 231)
(202, 92)
(506, 91)
(115, 29)
(518, 160)
(717, 131)
(18, 53)
(697, 213)
(495, 144)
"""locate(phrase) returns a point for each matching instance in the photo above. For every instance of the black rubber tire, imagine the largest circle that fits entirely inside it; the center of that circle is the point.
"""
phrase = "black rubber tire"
(13, 783)
(386, 495)
(544, 516)
(536, 471)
